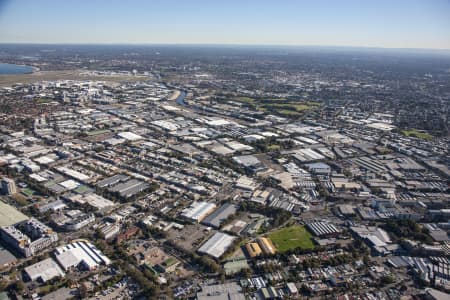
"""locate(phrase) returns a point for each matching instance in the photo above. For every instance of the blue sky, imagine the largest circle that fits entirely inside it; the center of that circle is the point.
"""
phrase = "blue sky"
(370, 23)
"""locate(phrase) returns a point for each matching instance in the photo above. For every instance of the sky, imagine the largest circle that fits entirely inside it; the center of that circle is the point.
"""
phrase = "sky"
(361, 23)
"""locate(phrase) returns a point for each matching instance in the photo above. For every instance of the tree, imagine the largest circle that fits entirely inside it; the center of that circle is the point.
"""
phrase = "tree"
(3, 285)
(19, 286)
(83, 291)
(246, 272)
(387, 279)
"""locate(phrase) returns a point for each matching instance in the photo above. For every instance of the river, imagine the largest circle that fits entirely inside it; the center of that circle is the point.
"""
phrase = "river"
(180, 98)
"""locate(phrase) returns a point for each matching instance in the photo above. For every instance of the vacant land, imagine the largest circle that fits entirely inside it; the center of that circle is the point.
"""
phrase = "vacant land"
(291, 237)
(418, 134)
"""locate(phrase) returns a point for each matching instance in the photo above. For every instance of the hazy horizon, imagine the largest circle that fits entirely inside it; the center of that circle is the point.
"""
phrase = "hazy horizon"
(386, 24)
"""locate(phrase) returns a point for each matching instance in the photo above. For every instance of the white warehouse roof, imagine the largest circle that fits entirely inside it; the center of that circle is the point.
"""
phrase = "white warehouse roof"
(217, 244)
(197, 211)
(44, 270)
(130, 136)
(82, 252)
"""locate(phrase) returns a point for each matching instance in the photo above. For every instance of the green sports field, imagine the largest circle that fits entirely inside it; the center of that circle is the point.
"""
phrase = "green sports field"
(291, 237)
(418, 134)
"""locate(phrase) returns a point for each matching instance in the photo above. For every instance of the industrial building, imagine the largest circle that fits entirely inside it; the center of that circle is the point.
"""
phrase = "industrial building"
(220, 215)
(80, 254)
(253, 249)
(109, 231)
(217, 244)
(221, 292)
(72, 220)
(267, 246)
(376, 238)
(44, 271)
(129, 188)
(198, 211)
(123, 185)
(10, 215)
(319, 168)
(323, 229)
(95, 201)
(250, 162)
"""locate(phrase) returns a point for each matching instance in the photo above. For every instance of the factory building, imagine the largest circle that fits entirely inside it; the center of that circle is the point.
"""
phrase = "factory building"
(44, 271)
(198, 211)
(220, 215)
(253, 249)
(217, 245)
(80, 254)
(323, 229)
(267, 246)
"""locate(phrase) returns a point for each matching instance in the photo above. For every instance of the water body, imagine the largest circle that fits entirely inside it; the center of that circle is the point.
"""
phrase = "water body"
(180, 98)
(9, 69)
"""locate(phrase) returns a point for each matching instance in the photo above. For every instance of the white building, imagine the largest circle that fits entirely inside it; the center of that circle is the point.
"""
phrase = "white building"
(217, 244)
(44, 270)
(197, 211)
(80, 254)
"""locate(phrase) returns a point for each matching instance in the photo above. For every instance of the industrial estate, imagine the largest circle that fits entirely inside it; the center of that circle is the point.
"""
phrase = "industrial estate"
(161, 172)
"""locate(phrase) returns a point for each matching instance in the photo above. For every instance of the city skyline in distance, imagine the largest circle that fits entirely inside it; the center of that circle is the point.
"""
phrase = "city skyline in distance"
(373, 24)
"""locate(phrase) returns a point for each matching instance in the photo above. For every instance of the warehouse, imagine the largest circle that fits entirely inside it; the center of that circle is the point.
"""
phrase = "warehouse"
(306, 155)
(110, 181)
(267, 246)
(44, 270)
(9, 215)
(221, 291)
(217, 245)
(323, 229)
(74, 174)
(197, 211)
(220, 215)
(81, 253)
(253, 249)
(129, 188)
(319, 168)
(250, 163)
(93, 200)
(130, 136)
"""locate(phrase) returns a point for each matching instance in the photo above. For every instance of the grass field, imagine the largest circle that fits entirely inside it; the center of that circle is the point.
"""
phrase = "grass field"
(28, 192)
(418, 134)
(291, 237)
(284, 107)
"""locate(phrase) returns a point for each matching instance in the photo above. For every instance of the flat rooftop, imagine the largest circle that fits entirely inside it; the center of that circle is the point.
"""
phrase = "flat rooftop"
(10, 215)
